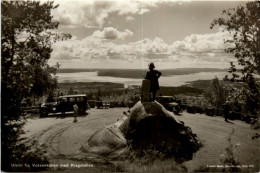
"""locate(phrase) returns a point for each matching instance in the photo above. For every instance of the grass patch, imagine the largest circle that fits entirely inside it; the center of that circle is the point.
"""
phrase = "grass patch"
(140, 165)
(148, 160)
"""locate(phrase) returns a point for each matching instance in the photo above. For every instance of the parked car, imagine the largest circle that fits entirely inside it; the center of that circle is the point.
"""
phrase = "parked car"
(170, 103)
(65, 104)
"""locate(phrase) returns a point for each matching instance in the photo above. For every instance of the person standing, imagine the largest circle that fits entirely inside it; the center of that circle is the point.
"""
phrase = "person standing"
(226, 110)
(75, 108)
(63, 106)
(153, 76)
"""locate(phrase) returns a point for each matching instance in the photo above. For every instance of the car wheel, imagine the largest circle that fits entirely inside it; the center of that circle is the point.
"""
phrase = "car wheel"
(175, 110)
(82, 111)
(44, 113)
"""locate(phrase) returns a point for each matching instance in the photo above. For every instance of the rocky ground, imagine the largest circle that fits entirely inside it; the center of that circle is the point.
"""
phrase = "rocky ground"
(61, 138)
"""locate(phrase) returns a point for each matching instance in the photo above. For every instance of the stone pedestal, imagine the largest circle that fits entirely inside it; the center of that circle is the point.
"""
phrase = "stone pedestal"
(145, 91)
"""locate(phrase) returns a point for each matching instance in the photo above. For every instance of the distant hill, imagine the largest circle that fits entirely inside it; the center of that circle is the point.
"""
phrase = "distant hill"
(139, 73)
(75, 70)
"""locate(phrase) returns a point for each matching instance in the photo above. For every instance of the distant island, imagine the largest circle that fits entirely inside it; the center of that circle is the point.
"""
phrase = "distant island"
(140, 73)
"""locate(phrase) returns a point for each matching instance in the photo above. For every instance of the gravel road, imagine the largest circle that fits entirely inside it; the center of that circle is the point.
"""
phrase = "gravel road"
(62, 138)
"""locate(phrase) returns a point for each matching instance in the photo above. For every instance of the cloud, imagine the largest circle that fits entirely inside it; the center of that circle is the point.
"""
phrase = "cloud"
(94, 13)
(93, 49)
(144, 10)
(202, 43)
(112, 33)
(203, 47)
(149, 49)
(129, 18)
(207, 49)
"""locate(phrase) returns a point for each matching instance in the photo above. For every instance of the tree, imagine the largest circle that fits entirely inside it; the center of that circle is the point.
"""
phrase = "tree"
(26, 38)
(99, 92)
(243, 23)
(216, 95)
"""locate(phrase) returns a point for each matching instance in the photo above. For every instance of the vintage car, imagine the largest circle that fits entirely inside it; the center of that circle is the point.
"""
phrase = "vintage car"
(65, 104)
(170, 103)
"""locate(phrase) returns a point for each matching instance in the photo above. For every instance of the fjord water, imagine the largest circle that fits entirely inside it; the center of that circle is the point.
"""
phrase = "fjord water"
(174, 80)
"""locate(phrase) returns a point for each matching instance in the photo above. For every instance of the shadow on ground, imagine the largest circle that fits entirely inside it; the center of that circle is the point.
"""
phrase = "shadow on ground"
(67, 115)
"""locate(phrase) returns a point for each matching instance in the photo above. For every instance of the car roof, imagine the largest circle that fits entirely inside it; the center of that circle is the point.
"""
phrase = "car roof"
(165, 97)
(76, 95)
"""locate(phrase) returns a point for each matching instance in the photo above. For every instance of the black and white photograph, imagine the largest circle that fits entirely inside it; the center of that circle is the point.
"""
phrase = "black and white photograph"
(130, 86)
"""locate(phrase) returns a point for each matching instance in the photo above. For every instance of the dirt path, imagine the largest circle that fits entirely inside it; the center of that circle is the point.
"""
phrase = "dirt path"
(214, 133)
(62, 138)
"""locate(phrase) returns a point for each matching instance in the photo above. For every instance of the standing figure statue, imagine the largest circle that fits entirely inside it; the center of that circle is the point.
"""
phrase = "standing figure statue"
(153, 76)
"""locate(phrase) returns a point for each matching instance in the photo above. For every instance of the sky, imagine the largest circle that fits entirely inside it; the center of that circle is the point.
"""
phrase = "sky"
(130, 34)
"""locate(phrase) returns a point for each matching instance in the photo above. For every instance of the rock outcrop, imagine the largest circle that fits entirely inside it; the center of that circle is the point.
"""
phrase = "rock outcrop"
(149, 125)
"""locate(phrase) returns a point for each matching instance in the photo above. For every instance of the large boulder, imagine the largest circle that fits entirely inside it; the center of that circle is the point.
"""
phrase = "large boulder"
(149, 125)
(108, 141)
